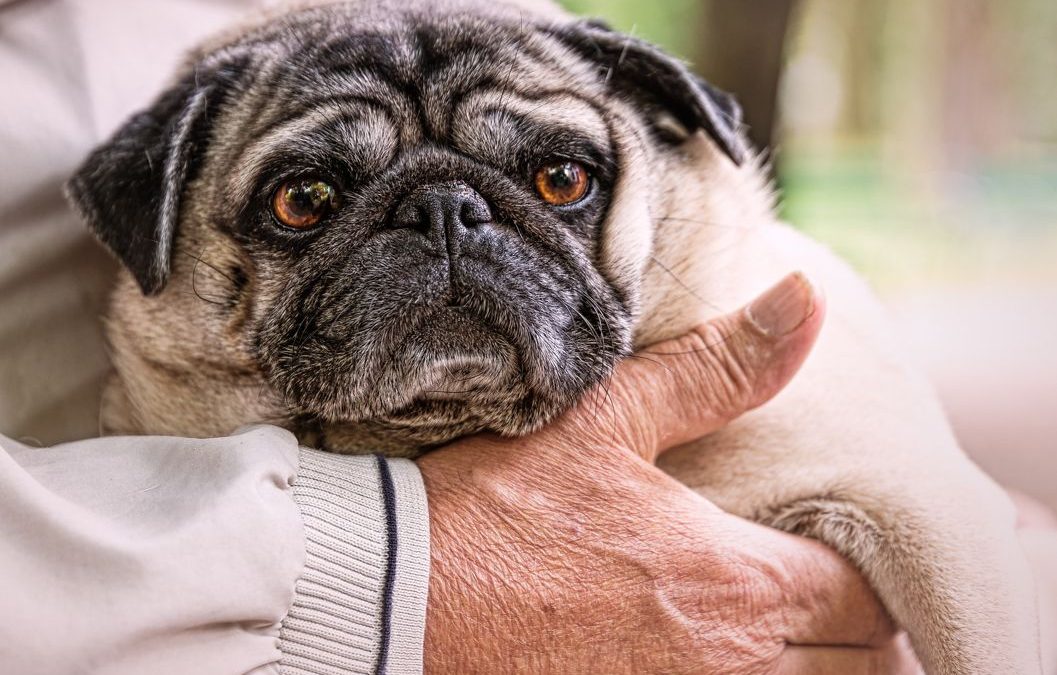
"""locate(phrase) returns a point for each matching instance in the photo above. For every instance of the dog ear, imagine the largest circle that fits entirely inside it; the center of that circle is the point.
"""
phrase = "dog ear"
(128, 191)
(642, 70)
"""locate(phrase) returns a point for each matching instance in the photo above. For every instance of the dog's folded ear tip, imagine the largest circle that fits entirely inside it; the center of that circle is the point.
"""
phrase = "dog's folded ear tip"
(151, 275)
(150, 288)
(597, 23)
(74, 188)
(738, 152)
(128, 190)
(649, 74)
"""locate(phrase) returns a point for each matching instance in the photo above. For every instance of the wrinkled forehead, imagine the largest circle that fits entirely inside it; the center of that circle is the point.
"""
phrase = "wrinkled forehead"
(483, 86)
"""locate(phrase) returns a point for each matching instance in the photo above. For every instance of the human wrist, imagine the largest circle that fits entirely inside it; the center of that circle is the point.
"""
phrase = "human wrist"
(360, 601)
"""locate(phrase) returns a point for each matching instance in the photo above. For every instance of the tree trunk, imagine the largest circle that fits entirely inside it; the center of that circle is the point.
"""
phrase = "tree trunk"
(740, 50)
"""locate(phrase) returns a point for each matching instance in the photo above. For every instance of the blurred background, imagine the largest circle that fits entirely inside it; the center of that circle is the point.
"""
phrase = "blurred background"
(919, 140)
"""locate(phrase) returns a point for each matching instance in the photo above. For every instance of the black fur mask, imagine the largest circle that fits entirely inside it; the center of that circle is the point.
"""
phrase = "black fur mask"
(391, 219)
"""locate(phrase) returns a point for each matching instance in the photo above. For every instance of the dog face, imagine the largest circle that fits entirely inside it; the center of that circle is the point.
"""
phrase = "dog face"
(397, 225)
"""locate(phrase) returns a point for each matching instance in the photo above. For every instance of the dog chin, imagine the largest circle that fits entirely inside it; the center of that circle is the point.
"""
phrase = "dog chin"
(449, 358)
(450, 376)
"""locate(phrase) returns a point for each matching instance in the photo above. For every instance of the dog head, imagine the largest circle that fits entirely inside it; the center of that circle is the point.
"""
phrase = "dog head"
(394, 224)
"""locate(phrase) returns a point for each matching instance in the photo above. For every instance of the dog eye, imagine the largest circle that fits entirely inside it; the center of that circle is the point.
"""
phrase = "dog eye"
(303, 202)
(562, 183)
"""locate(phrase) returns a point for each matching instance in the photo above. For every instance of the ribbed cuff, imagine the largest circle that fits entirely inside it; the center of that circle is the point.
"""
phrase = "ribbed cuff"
(411, 581)
(360, 603)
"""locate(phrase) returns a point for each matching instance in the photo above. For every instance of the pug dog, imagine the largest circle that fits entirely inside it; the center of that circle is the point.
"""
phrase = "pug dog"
(384, 225)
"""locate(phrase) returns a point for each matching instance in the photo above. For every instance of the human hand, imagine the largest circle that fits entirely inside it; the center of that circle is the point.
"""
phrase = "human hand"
(1037, 527)
(568, 551)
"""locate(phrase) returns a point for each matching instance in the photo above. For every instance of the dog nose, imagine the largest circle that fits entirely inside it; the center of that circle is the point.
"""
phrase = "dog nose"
(443, 212)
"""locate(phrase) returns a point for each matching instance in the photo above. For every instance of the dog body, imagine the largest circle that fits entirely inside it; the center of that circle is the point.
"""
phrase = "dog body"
(441, 297)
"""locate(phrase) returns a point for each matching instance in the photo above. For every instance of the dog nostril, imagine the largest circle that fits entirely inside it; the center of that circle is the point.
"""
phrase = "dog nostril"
(405, 215)
(441, 210)
(410, 215)
(475, 211)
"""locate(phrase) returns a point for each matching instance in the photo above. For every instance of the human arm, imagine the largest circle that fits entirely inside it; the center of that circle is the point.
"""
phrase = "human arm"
(228, 555)
(569, 552)
(204, 547)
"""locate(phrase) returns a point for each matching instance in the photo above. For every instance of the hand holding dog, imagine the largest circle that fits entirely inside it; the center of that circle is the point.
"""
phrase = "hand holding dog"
(568, 551)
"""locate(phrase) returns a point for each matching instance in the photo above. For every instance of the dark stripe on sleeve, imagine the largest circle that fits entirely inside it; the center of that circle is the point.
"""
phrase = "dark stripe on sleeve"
(389, 497)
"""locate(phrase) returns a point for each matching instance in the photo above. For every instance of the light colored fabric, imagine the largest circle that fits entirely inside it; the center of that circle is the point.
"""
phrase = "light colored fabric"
(155, 555)
(354, 612)
(148, 555)
(411, 584)
(224, 556)
(70, 71)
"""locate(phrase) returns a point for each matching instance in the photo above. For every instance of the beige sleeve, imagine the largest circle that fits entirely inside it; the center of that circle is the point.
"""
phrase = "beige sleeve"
(361, 601)
(159, 555)
(71, 71)
(234, 555)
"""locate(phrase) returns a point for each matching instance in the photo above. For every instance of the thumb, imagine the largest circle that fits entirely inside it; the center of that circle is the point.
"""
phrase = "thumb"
(682, 389)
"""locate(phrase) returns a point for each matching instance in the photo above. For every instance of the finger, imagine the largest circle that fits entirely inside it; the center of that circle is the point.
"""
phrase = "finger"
(1031, 513)
(824, 600)
(894, 658)
(683, 389)
(1040, 547)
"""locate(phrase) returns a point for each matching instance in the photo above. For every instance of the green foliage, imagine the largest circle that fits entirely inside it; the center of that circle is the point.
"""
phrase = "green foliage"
(668, 23)
(938, 163)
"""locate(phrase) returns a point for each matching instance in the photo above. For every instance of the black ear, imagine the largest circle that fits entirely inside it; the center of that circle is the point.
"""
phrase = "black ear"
(128, 190)
(642, 69)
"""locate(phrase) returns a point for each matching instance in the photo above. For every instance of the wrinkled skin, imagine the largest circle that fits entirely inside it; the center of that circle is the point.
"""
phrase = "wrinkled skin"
(615, 567)
(399, 321)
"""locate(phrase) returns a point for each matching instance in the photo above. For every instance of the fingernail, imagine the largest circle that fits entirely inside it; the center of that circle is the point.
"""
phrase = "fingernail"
(785, 307)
